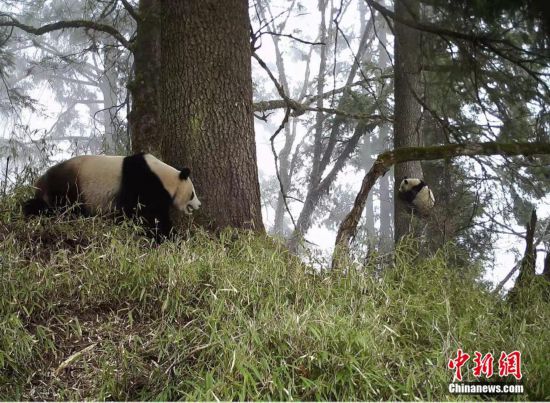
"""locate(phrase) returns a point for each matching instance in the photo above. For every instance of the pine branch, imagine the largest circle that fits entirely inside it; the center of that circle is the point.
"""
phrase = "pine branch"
(485, 41)
(433, 29)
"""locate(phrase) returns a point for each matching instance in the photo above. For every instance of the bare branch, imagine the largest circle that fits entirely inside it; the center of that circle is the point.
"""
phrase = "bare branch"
(131, 10)
(299, 108)
(60, 25)
(281, 104)
(278, 86)
(292, 37)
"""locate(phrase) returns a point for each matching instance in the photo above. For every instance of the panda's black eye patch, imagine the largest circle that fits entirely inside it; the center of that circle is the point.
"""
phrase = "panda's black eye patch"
(192, 195)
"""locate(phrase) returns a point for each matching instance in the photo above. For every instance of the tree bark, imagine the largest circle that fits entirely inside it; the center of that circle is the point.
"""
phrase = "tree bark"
(406, 110)
(546, 269)
(206, 111)
(144, 119)
(527, 269)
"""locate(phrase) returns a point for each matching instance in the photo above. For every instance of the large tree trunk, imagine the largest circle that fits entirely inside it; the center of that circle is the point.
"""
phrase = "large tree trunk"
(206, 112)
(145, 130)
(407, 109)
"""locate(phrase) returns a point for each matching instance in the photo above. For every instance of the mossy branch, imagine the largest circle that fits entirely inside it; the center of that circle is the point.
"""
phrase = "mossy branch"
(348, 227)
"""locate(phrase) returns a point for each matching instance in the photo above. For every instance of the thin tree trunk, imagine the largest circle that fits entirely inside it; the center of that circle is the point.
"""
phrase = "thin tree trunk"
(346, 97)
(321, 159)
(367, 160)
(386, 205)
(315, 175)
(314, 195)
(407, 110)
(207, 107)
(290, 128)
(284, 174)
(386, 201)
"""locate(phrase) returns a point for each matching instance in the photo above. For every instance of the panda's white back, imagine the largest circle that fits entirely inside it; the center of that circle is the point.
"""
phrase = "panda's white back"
(100, 178)
(424, 200)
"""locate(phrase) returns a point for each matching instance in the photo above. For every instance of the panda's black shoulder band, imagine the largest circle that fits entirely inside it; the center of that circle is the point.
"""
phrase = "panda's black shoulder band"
(184, 173)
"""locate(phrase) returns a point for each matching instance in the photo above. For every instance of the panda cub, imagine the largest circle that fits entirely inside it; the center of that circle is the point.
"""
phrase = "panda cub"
(417, 194)
(136, 186)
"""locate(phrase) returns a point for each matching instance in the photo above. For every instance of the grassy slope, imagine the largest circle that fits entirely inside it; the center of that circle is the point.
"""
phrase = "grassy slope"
(237, 318)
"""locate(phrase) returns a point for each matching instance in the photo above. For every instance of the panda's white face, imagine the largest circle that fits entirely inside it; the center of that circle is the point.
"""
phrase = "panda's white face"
(408, 183)
(185, 198)
(177, 184)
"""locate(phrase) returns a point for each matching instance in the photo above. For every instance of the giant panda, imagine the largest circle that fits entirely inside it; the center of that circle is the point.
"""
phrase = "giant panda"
(417, 194)
(139, 185)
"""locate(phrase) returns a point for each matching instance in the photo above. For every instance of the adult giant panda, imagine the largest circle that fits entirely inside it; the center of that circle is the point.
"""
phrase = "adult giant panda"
(417, 194)
(139, 185)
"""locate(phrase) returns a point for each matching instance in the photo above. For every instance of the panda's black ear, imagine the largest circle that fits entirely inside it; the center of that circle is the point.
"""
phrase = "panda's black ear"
(184, 173)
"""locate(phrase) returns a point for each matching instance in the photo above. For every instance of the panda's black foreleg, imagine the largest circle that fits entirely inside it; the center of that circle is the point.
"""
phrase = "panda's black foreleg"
(35, 206)
(164, 225)
(157, 225)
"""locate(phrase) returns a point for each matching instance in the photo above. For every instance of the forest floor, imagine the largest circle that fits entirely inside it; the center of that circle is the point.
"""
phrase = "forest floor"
(89, 310)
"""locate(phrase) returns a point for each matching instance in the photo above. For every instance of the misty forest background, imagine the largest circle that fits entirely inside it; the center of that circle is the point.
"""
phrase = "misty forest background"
(303, 276)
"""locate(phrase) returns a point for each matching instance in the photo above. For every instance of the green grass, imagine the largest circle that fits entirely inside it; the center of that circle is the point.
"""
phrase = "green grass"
(237, 318)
